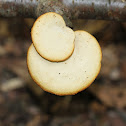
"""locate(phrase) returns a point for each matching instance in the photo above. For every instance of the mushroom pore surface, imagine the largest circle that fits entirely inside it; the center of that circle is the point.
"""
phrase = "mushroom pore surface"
(72, 75)
(51, 37)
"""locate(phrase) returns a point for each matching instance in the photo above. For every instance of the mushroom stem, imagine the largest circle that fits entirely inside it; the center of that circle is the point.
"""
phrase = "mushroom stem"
(73, 9)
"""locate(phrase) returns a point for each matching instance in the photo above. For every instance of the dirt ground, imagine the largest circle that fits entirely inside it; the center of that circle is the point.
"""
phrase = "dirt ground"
(23, 103)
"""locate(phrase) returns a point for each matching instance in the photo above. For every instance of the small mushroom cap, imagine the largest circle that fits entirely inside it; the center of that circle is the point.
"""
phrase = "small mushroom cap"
(51, 37)
(71, 76)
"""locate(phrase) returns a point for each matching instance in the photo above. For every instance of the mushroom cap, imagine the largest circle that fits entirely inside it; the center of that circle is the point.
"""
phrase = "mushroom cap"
(71, 76)
(51, 37)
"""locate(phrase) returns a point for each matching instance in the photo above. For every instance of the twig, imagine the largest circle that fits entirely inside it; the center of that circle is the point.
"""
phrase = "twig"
(73, 9)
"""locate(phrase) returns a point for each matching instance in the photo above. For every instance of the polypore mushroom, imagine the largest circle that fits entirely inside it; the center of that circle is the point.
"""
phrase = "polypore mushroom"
(51, 37)
(72, 75)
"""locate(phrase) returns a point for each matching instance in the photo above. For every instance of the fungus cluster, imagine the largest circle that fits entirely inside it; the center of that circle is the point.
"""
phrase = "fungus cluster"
(61, 61)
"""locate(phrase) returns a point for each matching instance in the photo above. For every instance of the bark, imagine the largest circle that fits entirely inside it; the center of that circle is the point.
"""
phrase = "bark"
(69, 9)
(15, 8)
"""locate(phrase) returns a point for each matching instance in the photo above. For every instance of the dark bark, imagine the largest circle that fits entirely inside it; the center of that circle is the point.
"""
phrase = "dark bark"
(73, 9)
(15, 8)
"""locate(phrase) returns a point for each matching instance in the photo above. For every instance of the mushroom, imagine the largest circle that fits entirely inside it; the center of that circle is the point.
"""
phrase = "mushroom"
(72, 75)
(51, 37)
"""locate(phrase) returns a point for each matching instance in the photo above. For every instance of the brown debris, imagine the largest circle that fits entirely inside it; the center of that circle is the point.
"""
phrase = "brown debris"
(23, 102)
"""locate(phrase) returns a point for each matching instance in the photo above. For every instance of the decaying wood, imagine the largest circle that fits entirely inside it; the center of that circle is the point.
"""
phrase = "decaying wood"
(73, 9)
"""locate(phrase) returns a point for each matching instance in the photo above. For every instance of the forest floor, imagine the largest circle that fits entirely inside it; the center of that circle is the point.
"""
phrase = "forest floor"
(23, 103)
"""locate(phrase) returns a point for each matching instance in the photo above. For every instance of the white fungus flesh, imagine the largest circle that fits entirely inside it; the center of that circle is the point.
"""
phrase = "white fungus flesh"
(51, 37)
(72, 75)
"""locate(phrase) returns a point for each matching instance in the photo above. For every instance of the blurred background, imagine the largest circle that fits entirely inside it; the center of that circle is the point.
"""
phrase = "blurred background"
(23, 103)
